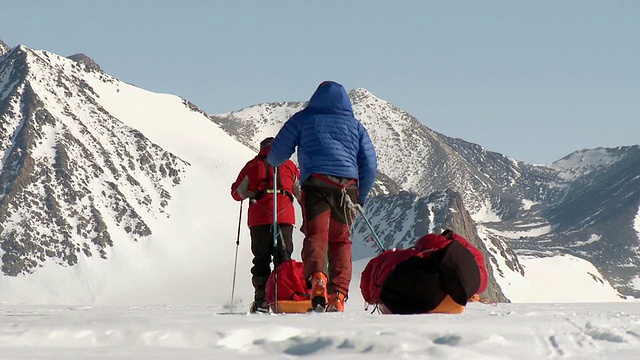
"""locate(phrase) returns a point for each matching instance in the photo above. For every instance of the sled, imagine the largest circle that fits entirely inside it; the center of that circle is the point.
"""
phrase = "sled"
(447, 306)
(291, 306)
(293, 295)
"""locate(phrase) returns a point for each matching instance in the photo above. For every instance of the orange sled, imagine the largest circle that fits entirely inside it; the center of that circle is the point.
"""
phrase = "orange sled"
(447, 306)
(291, 306)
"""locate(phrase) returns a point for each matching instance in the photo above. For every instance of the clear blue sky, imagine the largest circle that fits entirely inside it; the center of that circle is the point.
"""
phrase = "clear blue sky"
(533, 80)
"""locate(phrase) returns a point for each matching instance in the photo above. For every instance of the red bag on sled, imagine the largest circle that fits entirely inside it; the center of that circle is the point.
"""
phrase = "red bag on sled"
(293, 295)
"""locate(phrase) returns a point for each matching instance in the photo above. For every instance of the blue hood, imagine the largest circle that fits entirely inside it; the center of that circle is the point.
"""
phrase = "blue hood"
(330, 97)
(329, 140)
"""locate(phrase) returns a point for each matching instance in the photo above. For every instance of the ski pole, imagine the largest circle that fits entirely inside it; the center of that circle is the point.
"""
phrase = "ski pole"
(235, 263)
(375, 236)
(275, 238)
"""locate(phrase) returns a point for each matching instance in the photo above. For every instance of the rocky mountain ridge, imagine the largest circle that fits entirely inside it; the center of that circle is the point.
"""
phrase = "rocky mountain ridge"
(71, 173)
(520, 206)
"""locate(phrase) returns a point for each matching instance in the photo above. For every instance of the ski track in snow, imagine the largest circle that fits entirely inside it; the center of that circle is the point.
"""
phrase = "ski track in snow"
(484, 331)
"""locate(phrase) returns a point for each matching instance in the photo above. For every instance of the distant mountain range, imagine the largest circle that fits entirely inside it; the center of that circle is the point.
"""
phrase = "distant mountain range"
(585, 204)
(75, 176)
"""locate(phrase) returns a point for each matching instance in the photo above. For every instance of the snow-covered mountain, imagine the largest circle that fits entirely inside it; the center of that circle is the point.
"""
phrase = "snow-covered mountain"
(115, 194)
(109, 192)
(514, 205)
(415, 157)
(72, 174)
(597, 216)
(3, 47)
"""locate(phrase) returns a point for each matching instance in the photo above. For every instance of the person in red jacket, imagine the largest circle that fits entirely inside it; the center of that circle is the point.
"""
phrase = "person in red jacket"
(440, 274)
(255, 182)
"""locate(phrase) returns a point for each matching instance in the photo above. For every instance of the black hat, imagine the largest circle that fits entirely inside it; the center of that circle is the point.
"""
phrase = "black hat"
(418, 285)
(266, 143)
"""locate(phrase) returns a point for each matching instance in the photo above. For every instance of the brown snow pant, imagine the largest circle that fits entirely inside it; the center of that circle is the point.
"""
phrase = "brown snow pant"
(327, 218)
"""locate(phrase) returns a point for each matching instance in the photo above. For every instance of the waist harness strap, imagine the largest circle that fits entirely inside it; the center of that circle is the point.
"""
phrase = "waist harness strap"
(348, 206)
(270, 190)
(279, 191)
(335, 183)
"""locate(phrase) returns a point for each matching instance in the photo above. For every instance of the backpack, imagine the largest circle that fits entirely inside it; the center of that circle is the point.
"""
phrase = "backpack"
(419, 284)
(291, 283)
(266, 185)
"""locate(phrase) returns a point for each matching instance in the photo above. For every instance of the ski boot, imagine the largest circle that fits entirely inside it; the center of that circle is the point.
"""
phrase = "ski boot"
(318, 292)
(260, 307)
(336, 302)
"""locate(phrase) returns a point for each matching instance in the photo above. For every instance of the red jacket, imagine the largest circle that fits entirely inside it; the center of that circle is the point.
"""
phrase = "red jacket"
(377, 270)
(253, 182)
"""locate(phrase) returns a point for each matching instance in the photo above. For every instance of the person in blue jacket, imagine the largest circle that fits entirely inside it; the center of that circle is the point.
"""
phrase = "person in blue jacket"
(338, 166)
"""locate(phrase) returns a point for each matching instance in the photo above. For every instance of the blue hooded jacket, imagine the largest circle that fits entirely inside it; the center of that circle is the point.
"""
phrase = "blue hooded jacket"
(330, 140)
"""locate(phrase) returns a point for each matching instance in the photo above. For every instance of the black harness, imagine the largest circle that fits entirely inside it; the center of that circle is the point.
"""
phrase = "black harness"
(270, 190)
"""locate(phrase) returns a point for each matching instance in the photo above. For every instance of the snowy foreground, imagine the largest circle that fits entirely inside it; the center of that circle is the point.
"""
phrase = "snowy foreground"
(484, 331)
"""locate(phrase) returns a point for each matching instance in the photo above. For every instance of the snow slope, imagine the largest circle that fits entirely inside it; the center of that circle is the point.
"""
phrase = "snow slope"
(503, 331)
(189, 255)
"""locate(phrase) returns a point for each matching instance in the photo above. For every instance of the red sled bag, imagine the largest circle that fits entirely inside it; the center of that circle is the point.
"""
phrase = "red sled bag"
(291, 283)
